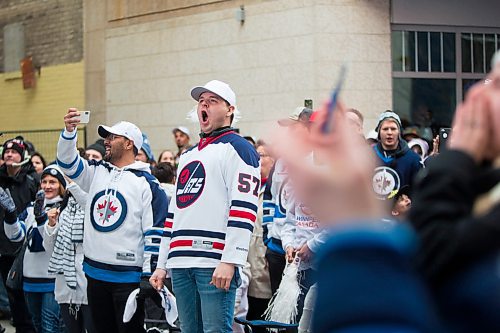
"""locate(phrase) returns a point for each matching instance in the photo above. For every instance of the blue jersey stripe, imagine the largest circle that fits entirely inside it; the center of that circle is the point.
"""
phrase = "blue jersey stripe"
(244, 204)
(67, 166)
(197, 254)
(241, 225)
(111, 276)
(67, 137)
(199, 233)
(275, 246)
(152, 248)
(78, 171)
(154, 232)
(38, 287)
(278, 214)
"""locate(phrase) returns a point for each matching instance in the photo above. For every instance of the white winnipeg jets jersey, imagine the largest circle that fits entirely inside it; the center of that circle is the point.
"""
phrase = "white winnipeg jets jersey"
(211, 217)
(124, 214)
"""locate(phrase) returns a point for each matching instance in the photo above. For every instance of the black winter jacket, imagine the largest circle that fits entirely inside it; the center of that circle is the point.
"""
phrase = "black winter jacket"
(23, 187)
(452, 238)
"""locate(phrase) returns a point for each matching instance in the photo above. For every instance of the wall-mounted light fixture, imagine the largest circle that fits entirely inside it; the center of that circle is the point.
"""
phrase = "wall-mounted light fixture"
(240, 14)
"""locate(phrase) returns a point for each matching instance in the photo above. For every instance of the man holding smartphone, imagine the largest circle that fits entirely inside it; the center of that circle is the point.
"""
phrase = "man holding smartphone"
(124, 217)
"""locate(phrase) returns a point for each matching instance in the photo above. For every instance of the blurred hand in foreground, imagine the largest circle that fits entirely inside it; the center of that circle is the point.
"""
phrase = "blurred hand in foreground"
(340, 189)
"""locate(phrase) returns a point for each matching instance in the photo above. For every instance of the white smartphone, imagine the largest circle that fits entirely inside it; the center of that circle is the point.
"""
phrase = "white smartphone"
(84, 117)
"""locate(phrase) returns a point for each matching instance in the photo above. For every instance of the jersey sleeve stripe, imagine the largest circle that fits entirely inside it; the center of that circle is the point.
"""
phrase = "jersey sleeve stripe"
(67, 166)
(199, 233)
(188, 242)
(78, 171)
(204, 254)
(244, 204)
(241, 225)
(243, 215)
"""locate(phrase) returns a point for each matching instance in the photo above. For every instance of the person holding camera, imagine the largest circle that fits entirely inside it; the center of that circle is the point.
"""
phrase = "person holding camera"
(123, 224)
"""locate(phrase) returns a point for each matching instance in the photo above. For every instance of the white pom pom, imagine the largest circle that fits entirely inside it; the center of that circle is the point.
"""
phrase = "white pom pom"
(283, 305)
(192, 115)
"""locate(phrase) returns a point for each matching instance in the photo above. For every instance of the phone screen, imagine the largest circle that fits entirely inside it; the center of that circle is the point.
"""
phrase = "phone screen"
(444, 133)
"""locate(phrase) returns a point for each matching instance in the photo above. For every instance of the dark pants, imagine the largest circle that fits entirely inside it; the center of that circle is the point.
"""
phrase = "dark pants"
(77, 318)
(276, 266)
(107, 302)
(18, 309)
(306, 280)
(256, 309)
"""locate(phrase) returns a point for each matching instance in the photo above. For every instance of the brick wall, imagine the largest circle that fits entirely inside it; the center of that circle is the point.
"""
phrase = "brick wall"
(53, 29)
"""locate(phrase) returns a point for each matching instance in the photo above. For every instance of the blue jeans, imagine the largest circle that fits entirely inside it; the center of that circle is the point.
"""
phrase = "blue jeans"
(202, 307)
(44, 312)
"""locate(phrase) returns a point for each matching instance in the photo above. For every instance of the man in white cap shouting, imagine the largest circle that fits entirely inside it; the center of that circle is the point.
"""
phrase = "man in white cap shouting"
(212, 217)
(124, 218)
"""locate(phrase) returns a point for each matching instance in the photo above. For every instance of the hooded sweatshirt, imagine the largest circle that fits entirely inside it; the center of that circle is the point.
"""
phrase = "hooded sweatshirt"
(397, 168)
(124, 215)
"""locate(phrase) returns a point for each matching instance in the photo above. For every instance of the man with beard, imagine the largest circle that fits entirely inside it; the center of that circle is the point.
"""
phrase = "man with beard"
(124, 217)
(18, 176)
(398, 164)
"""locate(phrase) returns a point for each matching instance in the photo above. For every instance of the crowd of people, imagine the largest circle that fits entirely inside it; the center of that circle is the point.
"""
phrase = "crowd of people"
(391, 231)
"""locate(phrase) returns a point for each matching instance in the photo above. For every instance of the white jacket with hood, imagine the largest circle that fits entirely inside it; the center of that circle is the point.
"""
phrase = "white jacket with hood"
(124, 214)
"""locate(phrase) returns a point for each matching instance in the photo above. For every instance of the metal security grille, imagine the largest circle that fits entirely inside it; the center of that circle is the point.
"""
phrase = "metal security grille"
(45, 141)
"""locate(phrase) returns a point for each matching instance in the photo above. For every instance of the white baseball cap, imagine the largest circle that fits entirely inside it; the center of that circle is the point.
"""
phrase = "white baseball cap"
(301, 113)
(123, 128)
(182, 129)
(217, 87)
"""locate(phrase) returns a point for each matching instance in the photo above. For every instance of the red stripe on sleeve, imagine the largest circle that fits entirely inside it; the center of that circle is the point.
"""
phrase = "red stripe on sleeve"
(218, 246)
(188, 242)
(242, 214)
(184, 242)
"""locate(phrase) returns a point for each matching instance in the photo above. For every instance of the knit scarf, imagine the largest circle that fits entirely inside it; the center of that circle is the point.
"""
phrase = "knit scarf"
(70, 232)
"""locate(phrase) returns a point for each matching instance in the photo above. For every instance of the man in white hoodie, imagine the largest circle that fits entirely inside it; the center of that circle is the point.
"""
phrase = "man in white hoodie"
(124, 217)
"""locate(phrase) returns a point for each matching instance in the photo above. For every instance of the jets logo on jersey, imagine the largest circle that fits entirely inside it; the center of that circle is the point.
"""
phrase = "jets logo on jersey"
(385, 180)
(190, 184)
(108, 211)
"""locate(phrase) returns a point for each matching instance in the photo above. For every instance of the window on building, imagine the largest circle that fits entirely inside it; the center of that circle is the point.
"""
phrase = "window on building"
(13, 37)
(433, 69)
